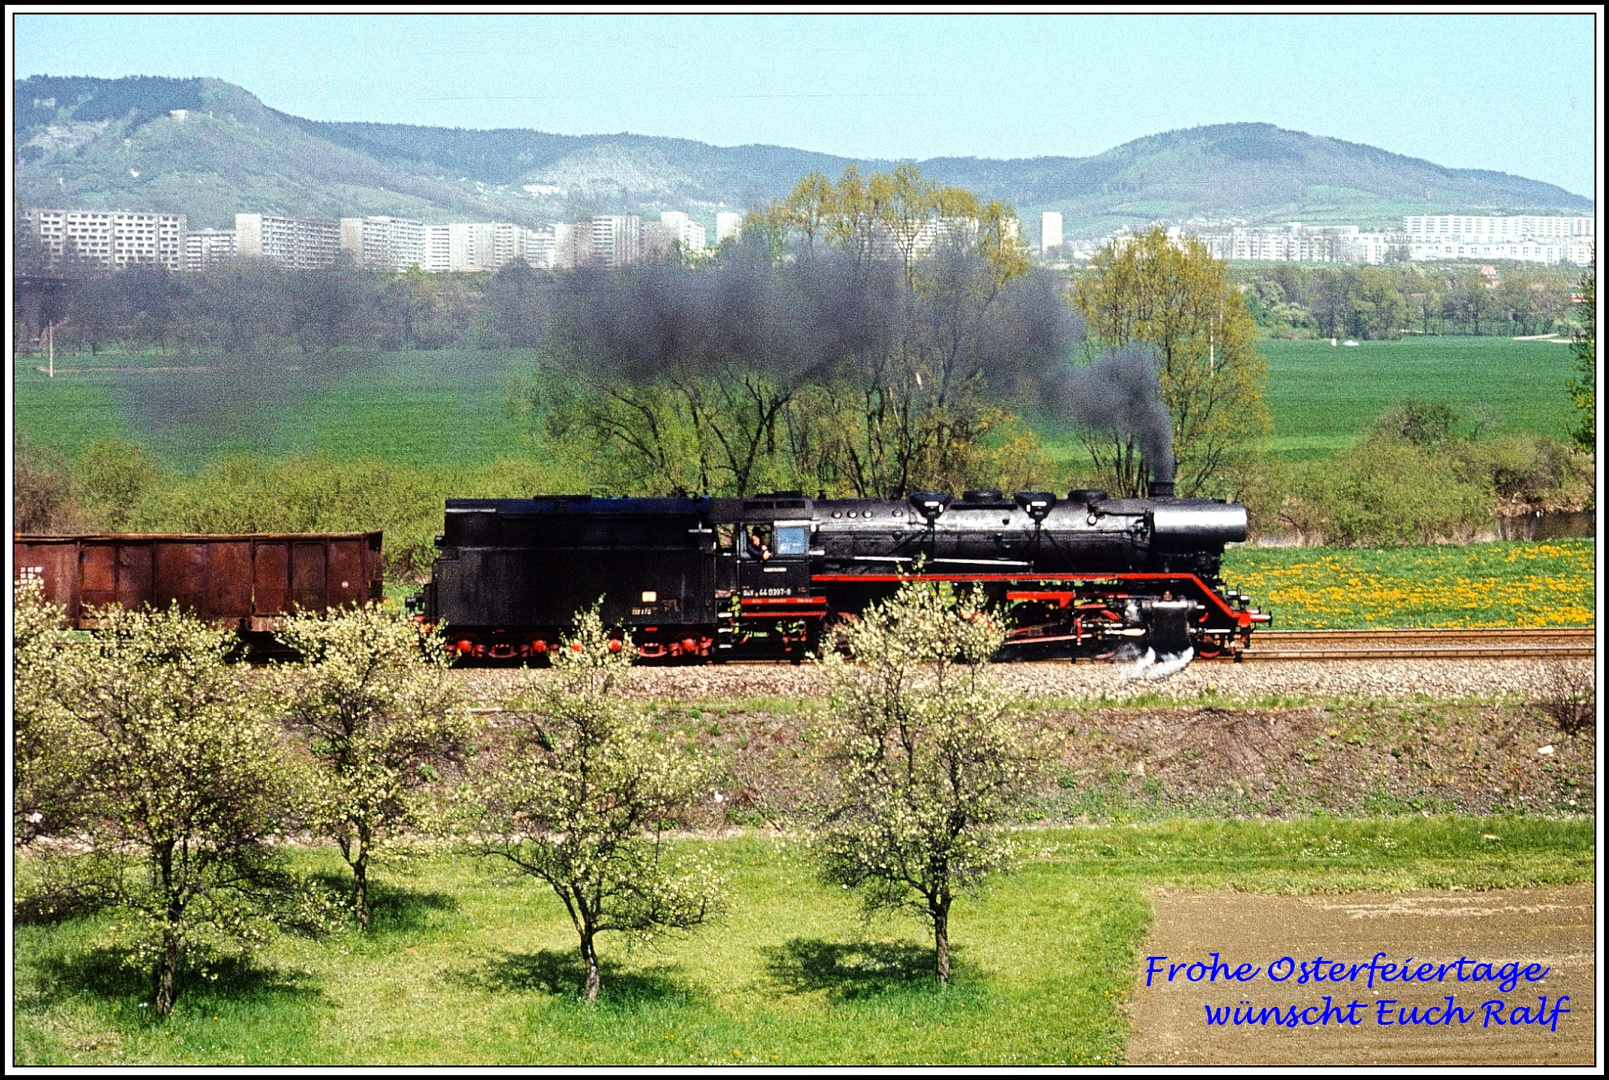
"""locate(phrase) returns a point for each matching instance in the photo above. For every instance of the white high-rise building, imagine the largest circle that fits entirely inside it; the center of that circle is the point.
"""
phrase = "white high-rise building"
(572, 243)
(208, 247)
(392, 243)
(292, 243)
(507, 243)
(469, 246)
(438, 249)
(727, 225)
(1049, 230)
(115, 238)
(1494, 228)
(616, 239)
(537, 248)
(690, 234)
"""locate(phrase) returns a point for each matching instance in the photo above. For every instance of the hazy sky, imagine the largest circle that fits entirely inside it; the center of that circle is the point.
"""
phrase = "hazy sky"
(1516, 93)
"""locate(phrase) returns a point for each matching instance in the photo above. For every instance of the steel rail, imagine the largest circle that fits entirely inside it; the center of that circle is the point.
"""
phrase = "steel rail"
(1472, 643)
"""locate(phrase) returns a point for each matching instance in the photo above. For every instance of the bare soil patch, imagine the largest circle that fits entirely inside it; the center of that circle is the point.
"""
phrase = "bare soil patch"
(1553, 927)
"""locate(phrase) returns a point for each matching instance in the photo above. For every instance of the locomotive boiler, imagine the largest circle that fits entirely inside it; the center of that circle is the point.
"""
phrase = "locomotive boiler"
(769, 576)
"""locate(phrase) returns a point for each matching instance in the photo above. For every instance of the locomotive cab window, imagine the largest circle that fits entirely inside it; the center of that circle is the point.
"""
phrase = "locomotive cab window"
(793, 540)
(755, 542)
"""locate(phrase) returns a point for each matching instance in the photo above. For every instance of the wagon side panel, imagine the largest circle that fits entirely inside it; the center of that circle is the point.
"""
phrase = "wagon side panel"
(271, 578)
(97, 572)
(53, 563)
(229, 581)
(346, 574)
(308, 575)
(134, 570)
(179, 573)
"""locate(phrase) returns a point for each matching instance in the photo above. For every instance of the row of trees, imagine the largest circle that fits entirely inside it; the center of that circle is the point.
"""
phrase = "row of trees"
(1382, 302)
(872, 335)
(174, 776)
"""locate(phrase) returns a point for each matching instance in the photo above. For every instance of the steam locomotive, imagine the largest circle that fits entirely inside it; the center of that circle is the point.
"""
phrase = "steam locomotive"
(769, 576)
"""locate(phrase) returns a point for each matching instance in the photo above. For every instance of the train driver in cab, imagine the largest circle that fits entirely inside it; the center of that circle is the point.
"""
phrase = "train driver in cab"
(757, 548)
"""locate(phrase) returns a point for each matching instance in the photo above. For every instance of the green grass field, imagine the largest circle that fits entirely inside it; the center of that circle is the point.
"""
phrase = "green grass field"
(422, 408)
(1321, 395)
(448, 407)
(464, 966)
(1505, 583)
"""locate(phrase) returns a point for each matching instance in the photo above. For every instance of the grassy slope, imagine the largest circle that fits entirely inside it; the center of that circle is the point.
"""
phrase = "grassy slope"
(465, 967)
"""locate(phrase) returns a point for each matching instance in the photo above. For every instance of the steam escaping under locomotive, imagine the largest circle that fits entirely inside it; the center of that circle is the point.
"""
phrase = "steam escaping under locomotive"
(771, 576)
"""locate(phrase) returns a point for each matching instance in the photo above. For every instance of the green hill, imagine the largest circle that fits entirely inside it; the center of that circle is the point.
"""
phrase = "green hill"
(210, 149)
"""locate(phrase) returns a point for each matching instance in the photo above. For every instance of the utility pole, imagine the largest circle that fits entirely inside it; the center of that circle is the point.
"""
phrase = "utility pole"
(50, 337)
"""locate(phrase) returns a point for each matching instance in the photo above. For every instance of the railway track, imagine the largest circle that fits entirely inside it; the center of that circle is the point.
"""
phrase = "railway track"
(1485, 643)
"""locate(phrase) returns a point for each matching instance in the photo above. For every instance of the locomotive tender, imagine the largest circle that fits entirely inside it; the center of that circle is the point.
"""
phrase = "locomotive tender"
(705, 578)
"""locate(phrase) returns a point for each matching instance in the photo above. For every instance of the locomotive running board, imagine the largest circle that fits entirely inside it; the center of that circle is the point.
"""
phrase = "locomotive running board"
(1243, 620)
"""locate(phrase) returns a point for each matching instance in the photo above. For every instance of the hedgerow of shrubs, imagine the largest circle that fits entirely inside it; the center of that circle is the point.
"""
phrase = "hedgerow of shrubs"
(1414, 480)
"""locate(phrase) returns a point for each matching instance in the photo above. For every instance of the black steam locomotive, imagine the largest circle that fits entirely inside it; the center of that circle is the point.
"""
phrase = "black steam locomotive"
(769, 576)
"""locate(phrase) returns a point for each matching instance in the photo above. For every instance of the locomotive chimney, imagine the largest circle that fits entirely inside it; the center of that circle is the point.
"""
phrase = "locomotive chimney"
(1161, 489)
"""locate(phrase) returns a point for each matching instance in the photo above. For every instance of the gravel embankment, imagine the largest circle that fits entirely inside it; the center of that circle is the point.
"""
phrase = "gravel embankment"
(1399, 680)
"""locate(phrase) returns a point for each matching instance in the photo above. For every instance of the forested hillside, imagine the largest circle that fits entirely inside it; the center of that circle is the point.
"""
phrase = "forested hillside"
(97, 143)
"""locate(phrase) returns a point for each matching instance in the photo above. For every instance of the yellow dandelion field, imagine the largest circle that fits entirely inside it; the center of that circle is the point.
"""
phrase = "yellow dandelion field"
(1510, 583)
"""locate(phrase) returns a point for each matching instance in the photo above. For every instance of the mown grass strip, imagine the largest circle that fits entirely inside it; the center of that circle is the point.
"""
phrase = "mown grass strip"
(464, 966)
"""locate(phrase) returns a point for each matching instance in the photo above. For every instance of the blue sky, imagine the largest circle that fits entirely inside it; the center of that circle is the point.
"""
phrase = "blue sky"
(1516, 93)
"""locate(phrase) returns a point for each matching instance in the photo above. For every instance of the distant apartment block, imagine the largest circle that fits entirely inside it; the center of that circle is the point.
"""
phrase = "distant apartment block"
(115, 238)
(572, 244)
(690, 234)
(727, 225)
(1549, 253)
(1495, 228)
(538, 246)
(1293, 242)
(1523, 238)
(291, 243)
(1049, 230)
(657, 239)
(507, 244)
(207, 248)
(616, 239)
(384, 243)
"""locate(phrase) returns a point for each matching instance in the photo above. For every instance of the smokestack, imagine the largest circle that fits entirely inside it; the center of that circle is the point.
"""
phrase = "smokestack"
(1161, 489)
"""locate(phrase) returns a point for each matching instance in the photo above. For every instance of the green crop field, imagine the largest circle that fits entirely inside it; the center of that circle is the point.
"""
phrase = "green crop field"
(1508, 583)
(1322, 396)
(448, 406)
(464, 966)
(445, 407)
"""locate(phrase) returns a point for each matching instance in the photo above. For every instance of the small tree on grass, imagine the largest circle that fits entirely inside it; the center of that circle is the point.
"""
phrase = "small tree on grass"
(185, 785)
(926, 756)
(380, 713)
(583, 797)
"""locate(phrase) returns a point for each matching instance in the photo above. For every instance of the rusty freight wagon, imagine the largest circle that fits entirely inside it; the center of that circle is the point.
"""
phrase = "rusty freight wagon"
(245, 582)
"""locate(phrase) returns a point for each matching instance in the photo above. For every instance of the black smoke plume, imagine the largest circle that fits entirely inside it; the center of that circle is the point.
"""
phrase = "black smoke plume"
(809, 316)
(1120, 395)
